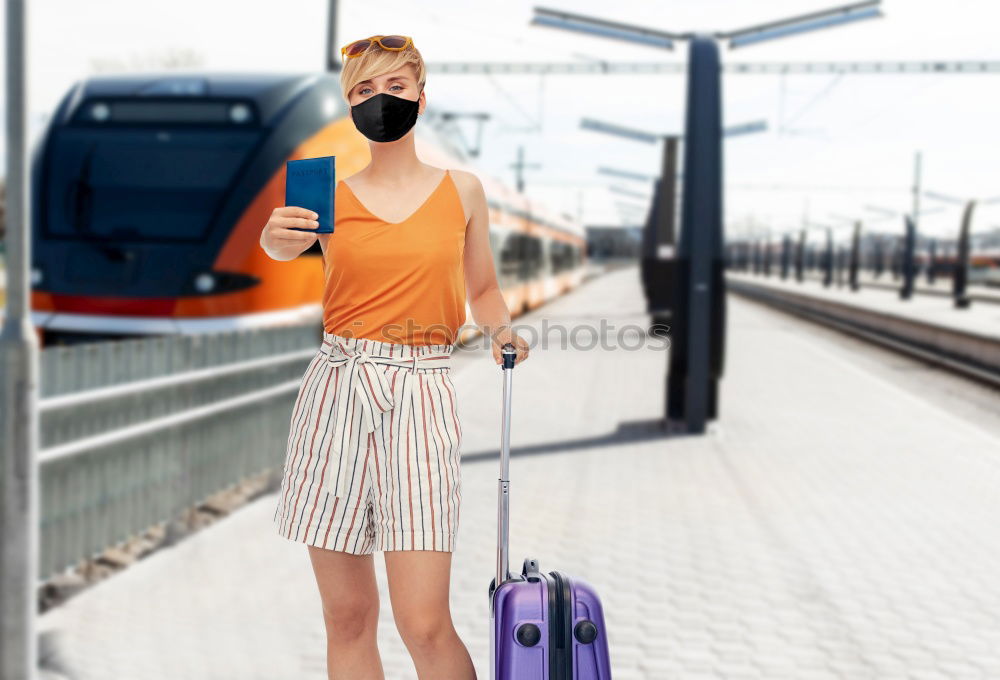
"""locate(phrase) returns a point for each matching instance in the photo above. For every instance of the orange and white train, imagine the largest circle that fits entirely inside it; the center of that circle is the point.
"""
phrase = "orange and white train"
(150, 193)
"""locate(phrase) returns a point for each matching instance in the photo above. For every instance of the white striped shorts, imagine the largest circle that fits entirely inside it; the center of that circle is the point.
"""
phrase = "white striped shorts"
(372, 459)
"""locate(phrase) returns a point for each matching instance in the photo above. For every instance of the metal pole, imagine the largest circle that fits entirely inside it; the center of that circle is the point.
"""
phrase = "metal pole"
(931, 260)
(690, 378)
(960, 275)
(855, 263)
(916, 192)
(331, 62)
(19, 378)
(906, 265)
(800, 256)
(786, 252)
(828, 259)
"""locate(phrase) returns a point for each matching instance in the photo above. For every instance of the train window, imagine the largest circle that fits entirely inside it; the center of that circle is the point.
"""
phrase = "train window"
(140, 185)
(510, 257)
(561, 256)
(532, 260)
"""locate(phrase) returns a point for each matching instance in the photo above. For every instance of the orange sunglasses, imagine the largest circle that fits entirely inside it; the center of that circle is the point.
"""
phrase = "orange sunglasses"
(393, 43)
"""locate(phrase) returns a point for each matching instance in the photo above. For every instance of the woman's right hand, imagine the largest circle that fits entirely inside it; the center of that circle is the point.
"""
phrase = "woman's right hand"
(277, 238)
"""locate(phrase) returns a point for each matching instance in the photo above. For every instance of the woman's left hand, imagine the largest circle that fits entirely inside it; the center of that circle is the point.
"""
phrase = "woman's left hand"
(506, 335)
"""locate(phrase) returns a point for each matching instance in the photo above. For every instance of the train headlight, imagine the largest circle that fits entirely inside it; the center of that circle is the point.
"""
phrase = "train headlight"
(239, 113)
(213, 282)
(204, 283)
(36, 276)
(100, 111)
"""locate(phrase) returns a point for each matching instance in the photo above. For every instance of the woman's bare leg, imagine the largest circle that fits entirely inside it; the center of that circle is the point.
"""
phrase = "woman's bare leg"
(418, 588)
(350, 610)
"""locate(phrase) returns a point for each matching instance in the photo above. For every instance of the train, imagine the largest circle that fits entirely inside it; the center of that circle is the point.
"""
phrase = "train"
(149, 194)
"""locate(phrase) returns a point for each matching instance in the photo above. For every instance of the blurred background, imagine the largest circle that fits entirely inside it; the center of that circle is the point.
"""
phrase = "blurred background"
(761, 412)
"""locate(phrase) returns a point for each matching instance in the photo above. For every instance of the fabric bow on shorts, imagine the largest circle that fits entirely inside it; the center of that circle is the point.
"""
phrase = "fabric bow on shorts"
(364, 385)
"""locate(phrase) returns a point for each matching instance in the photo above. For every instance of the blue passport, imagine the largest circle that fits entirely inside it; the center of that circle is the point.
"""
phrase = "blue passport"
(310, 183)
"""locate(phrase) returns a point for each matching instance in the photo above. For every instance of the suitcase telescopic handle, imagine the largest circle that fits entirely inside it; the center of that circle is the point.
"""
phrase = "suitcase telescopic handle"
(509, 353)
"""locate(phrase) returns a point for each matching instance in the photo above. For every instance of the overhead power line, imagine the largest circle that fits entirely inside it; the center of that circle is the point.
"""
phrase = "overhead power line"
(680, 67)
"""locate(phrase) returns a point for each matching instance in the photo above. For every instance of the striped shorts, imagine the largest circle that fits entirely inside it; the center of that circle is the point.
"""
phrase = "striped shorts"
(372, 459)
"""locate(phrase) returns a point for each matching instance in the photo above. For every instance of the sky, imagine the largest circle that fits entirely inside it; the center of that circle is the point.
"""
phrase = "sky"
(835, 144)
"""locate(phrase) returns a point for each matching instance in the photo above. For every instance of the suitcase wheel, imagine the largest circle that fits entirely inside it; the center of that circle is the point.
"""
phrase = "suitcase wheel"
(585, 631)
(528, 634)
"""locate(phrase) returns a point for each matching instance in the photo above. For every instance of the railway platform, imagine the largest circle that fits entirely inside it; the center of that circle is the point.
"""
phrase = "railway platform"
(837, 522)
(941, 286)
(926, 326)
(980, 317)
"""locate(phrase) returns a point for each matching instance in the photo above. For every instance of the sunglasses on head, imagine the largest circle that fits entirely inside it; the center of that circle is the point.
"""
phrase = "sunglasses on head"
(393, 43)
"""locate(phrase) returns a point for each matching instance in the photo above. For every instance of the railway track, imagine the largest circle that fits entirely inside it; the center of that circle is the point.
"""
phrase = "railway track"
(971, 355)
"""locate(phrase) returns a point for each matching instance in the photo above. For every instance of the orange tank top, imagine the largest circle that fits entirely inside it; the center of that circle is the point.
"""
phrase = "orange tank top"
(398, 282)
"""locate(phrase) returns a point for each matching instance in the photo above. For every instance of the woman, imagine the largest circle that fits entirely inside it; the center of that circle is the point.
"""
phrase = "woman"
(373, 458)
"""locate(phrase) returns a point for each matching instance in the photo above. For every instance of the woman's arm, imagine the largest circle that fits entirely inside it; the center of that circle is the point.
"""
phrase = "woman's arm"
(485, 298)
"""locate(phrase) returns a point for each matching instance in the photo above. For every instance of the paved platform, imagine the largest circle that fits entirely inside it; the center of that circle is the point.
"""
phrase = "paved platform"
(831, 525)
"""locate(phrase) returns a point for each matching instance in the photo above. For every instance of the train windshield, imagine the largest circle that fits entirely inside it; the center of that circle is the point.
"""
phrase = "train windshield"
(151, 184)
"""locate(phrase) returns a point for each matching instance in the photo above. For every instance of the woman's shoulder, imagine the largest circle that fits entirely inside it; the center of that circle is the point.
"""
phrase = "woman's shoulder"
(464, 176)
(470, 190)
(468, 183)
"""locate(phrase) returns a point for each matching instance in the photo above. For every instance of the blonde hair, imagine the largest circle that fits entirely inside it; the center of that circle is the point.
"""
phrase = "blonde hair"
(375, 61)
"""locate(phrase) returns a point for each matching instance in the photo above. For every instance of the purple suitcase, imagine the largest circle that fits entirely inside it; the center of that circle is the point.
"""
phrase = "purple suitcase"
(543, 626)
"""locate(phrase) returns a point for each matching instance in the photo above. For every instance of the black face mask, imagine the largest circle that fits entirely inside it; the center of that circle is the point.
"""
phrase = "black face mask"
(385, 117)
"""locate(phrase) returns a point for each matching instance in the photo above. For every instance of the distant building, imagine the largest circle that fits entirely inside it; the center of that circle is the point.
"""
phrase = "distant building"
(613, 242)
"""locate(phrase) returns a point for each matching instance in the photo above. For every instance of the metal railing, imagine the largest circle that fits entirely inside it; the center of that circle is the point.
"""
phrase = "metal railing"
(134, 432)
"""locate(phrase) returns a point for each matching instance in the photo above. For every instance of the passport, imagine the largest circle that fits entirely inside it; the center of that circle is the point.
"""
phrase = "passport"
(310, 184)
